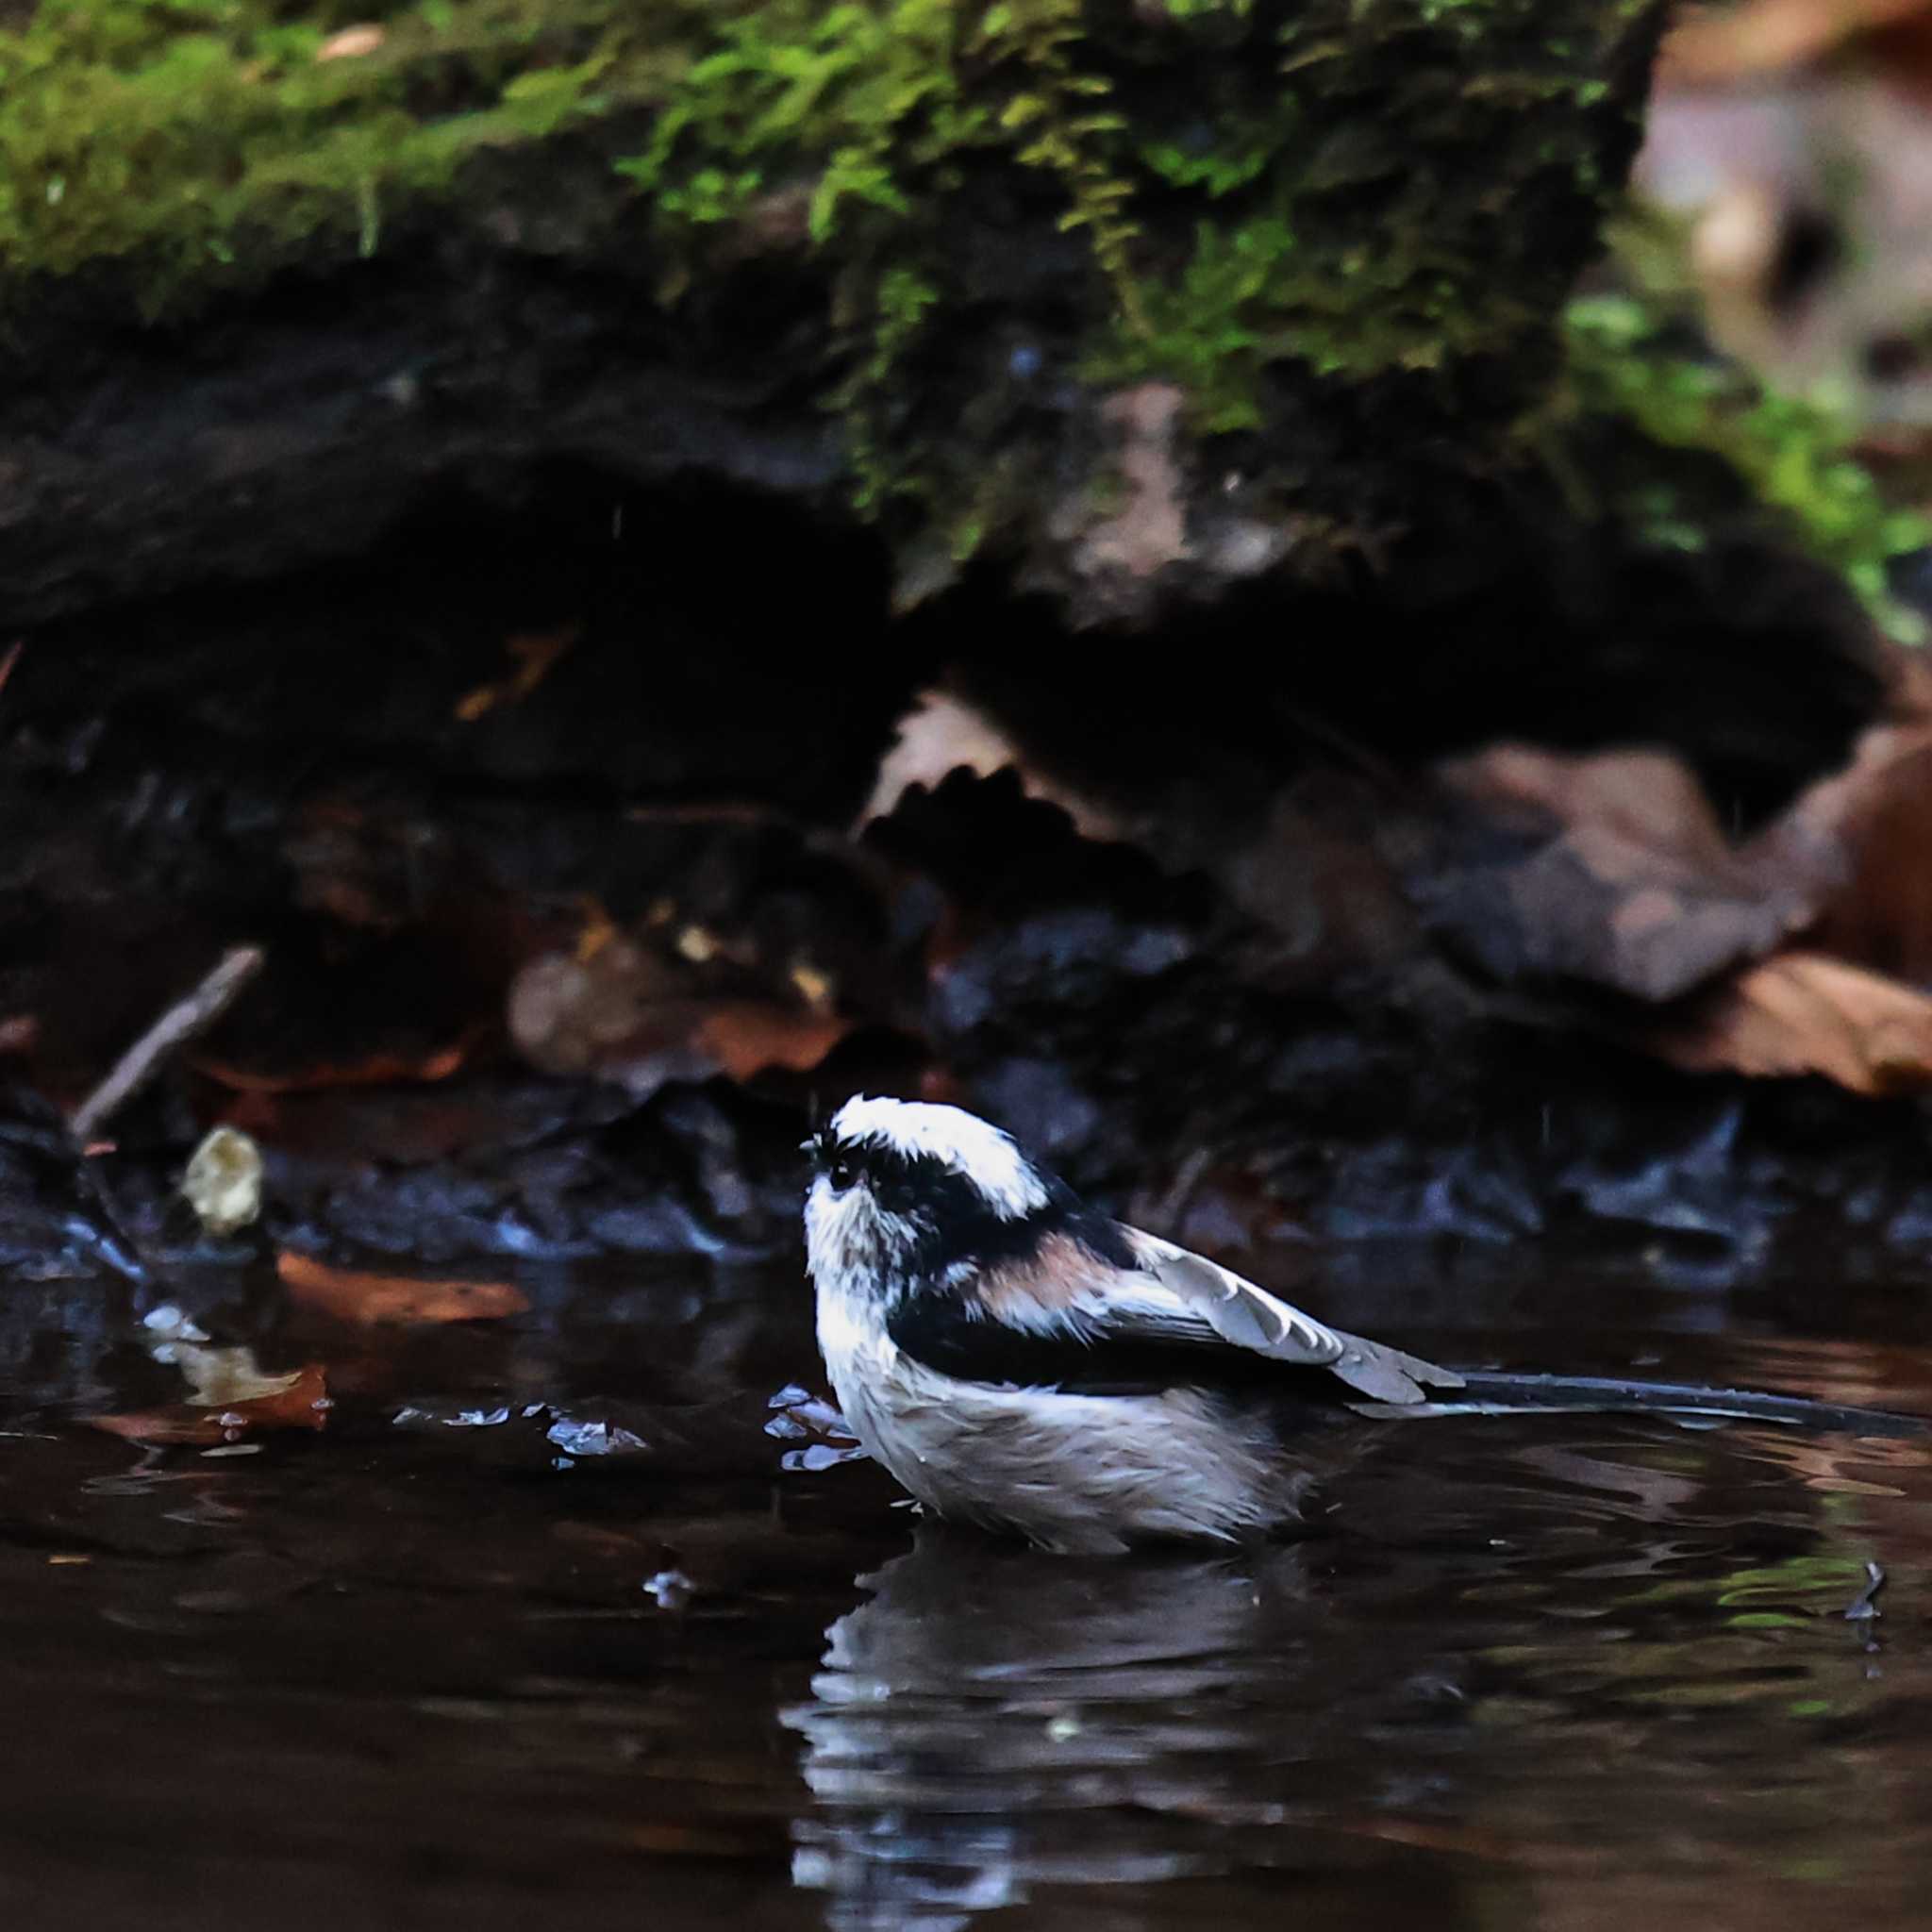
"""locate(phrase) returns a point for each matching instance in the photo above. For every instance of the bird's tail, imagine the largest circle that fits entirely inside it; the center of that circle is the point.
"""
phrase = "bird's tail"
(1487, 1394)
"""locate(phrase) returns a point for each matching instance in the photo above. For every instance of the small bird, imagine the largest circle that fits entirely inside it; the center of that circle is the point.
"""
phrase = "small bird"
(1021, 1362)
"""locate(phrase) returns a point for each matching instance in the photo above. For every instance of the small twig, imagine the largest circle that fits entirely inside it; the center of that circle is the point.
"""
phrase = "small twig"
(179, 1025)
(10, 660)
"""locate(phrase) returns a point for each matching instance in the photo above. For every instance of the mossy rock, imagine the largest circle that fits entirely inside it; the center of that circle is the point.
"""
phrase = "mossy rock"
(1137, 301)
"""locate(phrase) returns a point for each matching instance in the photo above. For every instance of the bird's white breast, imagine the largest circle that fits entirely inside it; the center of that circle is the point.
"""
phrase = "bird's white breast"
(1080, 1474)
(1069, 1472)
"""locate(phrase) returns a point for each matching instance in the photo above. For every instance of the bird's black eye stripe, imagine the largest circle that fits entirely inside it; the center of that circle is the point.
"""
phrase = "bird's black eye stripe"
(832, 1160)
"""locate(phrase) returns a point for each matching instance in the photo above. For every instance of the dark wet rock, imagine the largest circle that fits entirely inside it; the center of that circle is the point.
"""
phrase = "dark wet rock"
(697, 1172)
(57, 1219)
(1037, 1100)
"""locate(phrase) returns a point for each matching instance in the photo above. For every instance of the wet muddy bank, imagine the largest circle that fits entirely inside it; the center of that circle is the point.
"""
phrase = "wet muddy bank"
(585, 870)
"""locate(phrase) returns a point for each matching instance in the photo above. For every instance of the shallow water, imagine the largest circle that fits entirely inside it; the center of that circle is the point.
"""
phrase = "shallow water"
(560, 1615)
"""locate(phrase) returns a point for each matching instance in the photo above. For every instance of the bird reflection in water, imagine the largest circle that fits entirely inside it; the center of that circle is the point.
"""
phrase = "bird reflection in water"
(1509, 1664)
(992, 1720)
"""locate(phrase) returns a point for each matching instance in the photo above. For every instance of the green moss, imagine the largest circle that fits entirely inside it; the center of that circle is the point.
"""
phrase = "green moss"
(193, 142)
(1338, 248)
(1351, 173)
(853, 98)
(904, 299)
(1260, 193)
(880, 110)
(1629, 361)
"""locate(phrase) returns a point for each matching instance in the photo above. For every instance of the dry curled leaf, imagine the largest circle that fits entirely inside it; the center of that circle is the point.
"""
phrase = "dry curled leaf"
(1870, 826)
(1609, 868)
(1718, 45)
(943, 734)
(1801, 1012)
(352, 1295)
(632, 1016)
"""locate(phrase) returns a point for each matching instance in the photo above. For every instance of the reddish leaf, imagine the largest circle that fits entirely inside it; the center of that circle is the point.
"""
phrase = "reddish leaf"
(747, 1035)
(350, 1295)
(379, 1069)
(301, 1402)
(1805, 1013)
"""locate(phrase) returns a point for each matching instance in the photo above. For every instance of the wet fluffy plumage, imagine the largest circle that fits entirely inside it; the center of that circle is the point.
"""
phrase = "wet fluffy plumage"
(967, 1302)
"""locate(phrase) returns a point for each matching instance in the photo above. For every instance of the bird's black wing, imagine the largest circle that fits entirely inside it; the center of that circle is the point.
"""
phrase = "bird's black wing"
(1147, 1315)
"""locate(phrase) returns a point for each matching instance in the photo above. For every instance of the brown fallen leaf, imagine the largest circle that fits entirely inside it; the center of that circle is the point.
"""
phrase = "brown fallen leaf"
(943, 733)
(573, 1013)
(747, 1037)
(1871, 825)
(1610, 868)
(1802, 1012)
(629, 1014)
(351, 1295)
(296, 1400)
(1730, 45)
(378, 1070)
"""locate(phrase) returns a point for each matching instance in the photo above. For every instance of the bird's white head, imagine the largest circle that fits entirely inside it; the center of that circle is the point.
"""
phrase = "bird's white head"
(900, 1187)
